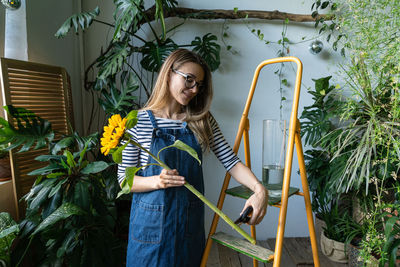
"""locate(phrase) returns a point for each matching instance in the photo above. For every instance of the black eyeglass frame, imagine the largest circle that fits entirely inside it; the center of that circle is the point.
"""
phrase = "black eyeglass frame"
(200, 86)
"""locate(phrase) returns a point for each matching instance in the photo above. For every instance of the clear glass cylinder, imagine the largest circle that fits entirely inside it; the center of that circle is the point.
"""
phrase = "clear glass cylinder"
(273, 155)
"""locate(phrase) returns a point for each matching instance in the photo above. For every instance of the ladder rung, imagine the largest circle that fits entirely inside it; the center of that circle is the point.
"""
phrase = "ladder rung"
(275, 192)
(244, 247)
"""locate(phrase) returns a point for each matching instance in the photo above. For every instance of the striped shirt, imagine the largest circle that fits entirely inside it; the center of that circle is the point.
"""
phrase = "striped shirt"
(142, 133)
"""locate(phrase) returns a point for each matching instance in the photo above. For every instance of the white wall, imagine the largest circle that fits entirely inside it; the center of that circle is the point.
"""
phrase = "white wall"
(232, 82)
(2, 30)
(44, 18)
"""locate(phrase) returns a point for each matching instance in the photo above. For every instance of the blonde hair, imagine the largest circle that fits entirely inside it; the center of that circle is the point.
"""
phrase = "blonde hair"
(197, 111)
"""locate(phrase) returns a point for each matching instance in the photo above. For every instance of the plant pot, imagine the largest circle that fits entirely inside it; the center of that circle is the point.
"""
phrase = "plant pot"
(356, 261)
(5, 169)
(334, 250)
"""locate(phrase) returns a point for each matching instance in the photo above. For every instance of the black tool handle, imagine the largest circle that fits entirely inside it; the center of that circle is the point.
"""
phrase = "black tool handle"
(245, 218)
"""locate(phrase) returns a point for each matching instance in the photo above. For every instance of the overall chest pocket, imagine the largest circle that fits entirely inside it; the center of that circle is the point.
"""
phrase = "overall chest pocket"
(148, 223)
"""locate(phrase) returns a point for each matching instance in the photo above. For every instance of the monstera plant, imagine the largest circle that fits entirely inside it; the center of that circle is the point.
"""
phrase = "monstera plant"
(114, 65)
(70, 214)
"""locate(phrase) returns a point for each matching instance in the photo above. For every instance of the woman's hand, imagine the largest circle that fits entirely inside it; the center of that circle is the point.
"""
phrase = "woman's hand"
(168, 178)
(259, 202)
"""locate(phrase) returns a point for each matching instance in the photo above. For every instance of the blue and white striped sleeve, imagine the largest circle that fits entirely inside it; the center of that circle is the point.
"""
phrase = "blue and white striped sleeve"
(221, 148)
(130, 156)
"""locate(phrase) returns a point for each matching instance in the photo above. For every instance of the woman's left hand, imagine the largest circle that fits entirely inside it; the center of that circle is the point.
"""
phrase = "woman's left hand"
(259, 202)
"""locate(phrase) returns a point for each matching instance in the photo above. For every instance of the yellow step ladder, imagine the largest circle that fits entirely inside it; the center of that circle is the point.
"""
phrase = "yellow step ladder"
(242, 246)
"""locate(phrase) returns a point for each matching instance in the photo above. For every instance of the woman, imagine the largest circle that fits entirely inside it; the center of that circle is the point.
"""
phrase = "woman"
(167, 220)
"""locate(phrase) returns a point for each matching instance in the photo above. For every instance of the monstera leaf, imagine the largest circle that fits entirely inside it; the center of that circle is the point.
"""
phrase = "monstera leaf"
(208, 49)
(112, 62)
(127, 15)
(84, 20)
(30, 129)
(118, 100)
(154, 54)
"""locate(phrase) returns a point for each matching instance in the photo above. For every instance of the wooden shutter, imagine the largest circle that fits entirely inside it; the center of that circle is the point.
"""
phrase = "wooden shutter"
(46, 91)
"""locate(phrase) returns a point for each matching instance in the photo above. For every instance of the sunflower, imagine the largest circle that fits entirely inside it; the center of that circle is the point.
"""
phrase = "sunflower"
(112, 133)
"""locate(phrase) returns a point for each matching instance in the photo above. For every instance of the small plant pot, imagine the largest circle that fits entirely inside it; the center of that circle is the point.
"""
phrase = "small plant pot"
(356, 261)
(334, 250)
(5, 169)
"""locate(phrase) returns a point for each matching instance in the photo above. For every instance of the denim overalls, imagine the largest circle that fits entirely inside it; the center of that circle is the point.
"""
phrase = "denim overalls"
(167, 226)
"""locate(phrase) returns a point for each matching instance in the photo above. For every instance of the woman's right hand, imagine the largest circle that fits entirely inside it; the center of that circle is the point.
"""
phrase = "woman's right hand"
(168, 178)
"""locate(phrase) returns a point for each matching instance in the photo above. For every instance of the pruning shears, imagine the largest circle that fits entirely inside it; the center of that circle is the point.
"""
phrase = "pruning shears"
(245, 217)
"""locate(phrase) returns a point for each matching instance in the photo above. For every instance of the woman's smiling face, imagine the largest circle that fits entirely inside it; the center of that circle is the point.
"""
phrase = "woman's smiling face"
(177, 83)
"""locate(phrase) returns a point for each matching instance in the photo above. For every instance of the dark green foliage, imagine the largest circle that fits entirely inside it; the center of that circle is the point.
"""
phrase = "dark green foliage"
(316, 119)
(70, 216)
(118, 99)
(208, 49)
(8, 231)
(113, 60)
(30, 129)
(121, 55)
(154, 54)
(84, 20)
(127, 15)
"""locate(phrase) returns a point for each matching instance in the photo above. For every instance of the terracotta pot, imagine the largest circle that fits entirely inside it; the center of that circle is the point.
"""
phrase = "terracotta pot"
(334, 250)
(5, 169)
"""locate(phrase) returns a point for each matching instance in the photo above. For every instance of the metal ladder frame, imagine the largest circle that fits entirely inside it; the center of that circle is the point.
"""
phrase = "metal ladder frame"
(293, 139)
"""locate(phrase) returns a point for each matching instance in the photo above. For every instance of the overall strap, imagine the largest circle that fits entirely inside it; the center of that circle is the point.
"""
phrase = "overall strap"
(152, 118)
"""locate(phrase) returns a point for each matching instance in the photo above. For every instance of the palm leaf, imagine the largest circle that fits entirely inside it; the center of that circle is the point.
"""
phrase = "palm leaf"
(84, 20)
(208, 49)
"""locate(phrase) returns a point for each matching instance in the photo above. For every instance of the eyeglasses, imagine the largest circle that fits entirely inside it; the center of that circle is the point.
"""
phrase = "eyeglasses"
(190, 82)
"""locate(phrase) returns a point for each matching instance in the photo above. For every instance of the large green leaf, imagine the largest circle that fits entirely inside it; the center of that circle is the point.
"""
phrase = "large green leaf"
(154, 54)
(117, 154)
(46, 170)
(112, 62)
(30, 129)
(131, 119)
(84, 20)
(127, 183)
(81, 195)
(208, 49)
(50, 157)
(63, 143)
(95, 167)
(118, 99)
(182, 146)
(63, 212)
(127, 15)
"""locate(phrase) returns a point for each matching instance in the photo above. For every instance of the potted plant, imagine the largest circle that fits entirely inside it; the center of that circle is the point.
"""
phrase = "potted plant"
(70, 216)
(8, 231)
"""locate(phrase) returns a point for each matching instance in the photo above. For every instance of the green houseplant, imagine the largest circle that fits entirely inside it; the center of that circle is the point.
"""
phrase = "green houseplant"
(70, 216)
(364, 145)
(8, 231)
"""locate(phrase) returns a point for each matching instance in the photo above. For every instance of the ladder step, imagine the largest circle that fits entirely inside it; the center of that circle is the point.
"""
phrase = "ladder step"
(275, 192)
(244, 247)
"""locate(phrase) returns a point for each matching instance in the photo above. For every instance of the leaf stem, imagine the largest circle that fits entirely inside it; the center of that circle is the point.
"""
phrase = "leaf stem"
(200, 196)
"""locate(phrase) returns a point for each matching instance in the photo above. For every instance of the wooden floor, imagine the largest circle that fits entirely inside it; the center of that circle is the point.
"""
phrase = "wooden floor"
(296, 252)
